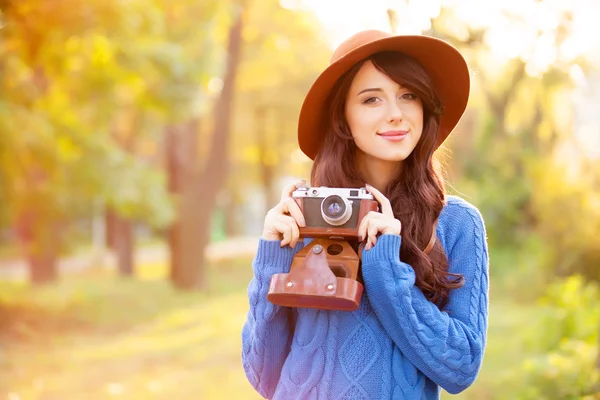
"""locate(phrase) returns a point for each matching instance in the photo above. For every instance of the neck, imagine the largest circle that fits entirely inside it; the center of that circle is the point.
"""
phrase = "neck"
(377, 173)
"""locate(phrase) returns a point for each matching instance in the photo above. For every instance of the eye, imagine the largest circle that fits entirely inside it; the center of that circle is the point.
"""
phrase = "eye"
(408, 96)
(371, 100)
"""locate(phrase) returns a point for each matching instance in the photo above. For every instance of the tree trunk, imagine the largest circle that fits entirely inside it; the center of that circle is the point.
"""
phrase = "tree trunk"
(198, 195)
(180, 144)
(43, 260)
(110, 229)
(193, 234)
(173, 168)
(42, 268)
(41, 243)
(120, 230)
(123, 231)
(230, 212)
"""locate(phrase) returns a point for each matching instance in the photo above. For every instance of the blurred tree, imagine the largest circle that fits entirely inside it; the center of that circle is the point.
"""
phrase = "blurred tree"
(200, 184)
(522, 128)
(69, 71)
(284, 53)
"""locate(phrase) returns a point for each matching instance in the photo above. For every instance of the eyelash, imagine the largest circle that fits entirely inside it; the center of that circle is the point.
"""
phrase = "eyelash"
(412, 96)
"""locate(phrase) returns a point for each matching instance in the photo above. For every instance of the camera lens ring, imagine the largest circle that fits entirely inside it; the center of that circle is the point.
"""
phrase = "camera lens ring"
(336, 210)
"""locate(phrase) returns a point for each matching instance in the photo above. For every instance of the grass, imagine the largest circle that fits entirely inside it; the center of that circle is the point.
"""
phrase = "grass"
(97, 336)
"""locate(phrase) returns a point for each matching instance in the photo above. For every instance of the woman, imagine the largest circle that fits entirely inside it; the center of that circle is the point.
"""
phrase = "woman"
(375, 117)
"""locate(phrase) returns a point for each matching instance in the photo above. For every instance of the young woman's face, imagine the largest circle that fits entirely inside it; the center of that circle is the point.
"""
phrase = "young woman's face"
(385, 118)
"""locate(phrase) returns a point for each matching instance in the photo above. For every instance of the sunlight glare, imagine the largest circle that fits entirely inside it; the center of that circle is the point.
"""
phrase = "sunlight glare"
(541, 33)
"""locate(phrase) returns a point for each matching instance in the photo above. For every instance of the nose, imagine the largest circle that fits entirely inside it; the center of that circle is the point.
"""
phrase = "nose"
(394, 112)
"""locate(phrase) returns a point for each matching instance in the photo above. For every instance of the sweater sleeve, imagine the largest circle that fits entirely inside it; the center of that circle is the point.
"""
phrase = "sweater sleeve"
(267, 332)
(447, 346)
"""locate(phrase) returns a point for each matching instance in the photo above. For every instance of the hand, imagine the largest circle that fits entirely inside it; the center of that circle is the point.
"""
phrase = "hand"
(283, 219)
(378, 222)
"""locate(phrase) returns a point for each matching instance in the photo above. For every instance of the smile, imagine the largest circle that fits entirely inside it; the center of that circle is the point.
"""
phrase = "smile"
(393, 136)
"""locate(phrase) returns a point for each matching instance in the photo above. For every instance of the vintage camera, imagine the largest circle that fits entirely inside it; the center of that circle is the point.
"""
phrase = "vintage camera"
(324, 274)
(333, 212)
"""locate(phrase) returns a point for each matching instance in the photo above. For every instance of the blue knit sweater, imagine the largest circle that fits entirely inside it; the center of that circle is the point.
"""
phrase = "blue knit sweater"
(397, 345)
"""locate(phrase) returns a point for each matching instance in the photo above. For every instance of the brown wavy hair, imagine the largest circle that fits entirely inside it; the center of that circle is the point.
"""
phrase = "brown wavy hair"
(417, 193)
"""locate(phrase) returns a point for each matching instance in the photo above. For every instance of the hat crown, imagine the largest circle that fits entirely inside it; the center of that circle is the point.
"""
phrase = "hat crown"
(357, 40)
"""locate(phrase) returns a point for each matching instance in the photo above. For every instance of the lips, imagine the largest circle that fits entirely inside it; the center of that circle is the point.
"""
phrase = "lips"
(393, 134)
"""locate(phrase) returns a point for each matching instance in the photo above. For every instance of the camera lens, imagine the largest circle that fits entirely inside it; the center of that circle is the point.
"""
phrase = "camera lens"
(336, 210)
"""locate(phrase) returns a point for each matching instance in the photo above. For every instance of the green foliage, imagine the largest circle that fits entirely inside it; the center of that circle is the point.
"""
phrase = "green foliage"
(571, 312)
(567, 373)
(84, 86)
(564, 343)
(568, 217)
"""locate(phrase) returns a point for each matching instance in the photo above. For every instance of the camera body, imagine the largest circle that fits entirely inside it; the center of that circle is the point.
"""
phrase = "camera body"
(333, 213)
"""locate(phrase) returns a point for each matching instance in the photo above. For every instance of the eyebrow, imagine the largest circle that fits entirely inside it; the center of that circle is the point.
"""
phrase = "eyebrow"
(370, 90)
(375, 90)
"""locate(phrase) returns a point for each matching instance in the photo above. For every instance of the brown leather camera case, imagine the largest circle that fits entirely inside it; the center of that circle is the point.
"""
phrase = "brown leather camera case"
(322, 275)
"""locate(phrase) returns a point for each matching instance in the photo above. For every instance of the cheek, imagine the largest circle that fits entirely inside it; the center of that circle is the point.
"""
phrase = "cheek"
(354, 123)
(417, 120)
(362, 122)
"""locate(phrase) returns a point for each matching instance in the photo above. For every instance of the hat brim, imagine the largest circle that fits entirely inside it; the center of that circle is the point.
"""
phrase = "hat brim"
(443, 62)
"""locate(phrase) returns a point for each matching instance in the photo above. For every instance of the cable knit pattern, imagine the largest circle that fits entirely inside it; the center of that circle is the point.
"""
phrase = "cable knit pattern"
(397, 345)
(268, 331)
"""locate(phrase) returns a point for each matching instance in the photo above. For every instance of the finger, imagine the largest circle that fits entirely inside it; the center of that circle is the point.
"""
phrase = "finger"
(361, 247)
(372, 232)
(290, 205)
(295, 232)
(285, 230)
(362, 228)
(366, 221)
(386, 206)
(365, 232)
(289, 189)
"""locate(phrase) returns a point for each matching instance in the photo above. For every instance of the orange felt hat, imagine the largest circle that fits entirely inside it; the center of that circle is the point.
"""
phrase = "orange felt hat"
(442, 61)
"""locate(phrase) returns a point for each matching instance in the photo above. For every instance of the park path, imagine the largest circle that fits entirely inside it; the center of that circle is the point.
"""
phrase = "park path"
(16, 269)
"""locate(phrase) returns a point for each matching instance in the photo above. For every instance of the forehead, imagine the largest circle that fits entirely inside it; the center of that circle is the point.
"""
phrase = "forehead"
(368, 76)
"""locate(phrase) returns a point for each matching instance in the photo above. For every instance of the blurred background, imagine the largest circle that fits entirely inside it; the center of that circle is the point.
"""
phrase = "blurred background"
(143, 141)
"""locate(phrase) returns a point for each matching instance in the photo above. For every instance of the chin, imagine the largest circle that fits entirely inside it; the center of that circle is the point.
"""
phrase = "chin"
(393, 157)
